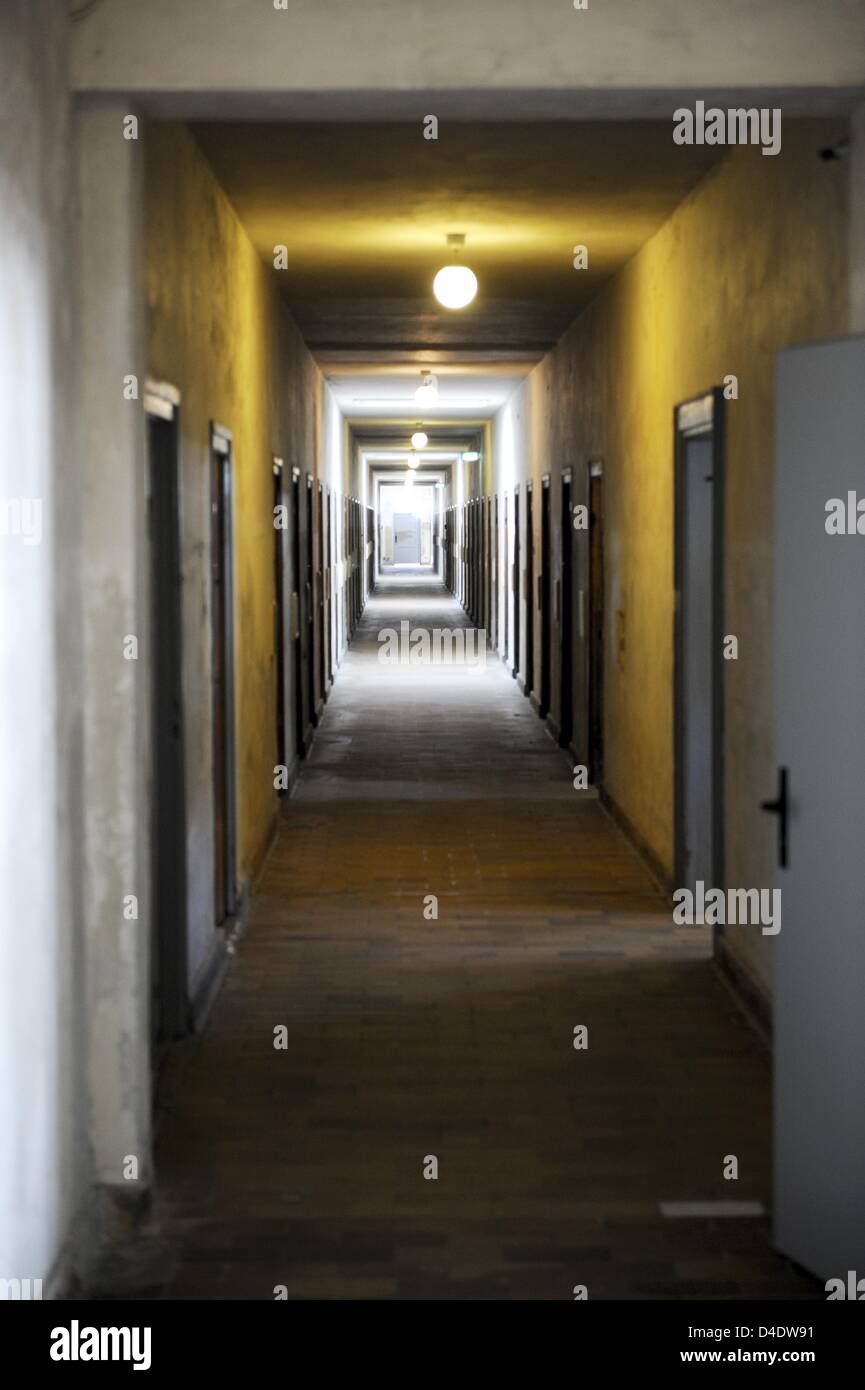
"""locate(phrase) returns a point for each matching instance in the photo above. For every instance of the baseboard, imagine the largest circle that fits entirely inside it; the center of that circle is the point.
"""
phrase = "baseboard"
(293, 775)
(210, 979)
(534, 702)
(653, 864)
(553, 729)
(265, 847)
(750, 994)
(521, 683)
(79, 1252)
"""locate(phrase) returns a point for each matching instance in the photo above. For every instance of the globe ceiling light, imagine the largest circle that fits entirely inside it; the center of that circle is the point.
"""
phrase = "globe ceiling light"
(419, 440)
(427, 392)
(455, 286)
(408, 480)
(413, 461)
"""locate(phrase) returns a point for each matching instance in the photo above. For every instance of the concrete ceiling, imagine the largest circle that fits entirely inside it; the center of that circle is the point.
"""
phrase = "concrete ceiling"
(364, 211)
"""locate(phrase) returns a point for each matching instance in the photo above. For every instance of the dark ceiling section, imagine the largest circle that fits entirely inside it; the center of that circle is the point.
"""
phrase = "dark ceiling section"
(515, 326)
(442, 435)
(363, 211)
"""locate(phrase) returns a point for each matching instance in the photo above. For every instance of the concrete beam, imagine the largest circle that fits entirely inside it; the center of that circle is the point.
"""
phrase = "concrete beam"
(594, 57)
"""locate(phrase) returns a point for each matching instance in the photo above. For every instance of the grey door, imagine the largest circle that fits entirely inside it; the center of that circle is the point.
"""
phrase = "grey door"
(819, 691)
(699, 639)
(406, 539)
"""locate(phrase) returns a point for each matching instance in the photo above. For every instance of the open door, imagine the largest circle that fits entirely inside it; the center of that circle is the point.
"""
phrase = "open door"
(169, 974)
(818, 807)
(222, 637)
(699, 641)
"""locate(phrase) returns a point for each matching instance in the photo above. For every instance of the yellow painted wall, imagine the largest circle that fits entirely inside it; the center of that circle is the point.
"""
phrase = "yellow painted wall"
(753, 260)
(218, 331)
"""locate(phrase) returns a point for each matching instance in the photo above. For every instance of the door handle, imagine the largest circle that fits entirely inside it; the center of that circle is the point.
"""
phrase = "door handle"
(780, 807)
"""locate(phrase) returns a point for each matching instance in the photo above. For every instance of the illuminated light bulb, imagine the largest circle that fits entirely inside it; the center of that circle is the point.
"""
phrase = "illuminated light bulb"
(455, 286)
(413, 461)
(419, 440)
(470, 456)
(427, 392)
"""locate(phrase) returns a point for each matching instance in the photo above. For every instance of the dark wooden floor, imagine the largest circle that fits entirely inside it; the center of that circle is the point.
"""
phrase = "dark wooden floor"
(453, 1037)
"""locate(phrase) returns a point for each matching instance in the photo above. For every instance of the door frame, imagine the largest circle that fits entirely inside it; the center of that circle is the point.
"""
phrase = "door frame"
(545, 597)
(527, 590)
(593, 661)
(702, 414)
(565, 615)
(309, 610)
(221, 445)
(169, 934)
(296, 611)
(515, 668)
(320, 604)
(280, 621)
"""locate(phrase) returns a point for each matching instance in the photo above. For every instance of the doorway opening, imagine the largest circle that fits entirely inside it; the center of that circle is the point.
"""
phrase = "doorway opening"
(222, 619)
(565, 616)
(699, 635)
(596, 624)
(544, 596)
(168, 983)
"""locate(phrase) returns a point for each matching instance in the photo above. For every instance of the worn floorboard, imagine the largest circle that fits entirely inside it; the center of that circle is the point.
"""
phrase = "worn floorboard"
(410, 1037)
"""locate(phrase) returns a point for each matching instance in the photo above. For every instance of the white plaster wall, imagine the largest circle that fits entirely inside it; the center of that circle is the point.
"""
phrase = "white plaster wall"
(44, 1166)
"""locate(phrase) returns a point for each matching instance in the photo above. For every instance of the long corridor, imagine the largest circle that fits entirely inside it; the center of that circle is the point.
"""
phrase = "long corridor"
(300, 1168)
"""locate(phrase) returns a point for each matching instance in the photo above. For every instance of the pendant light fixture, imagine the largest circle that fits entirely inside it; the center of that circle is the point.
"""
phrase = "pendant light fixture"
(455, 286)
(419, 439)
(427, 392)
